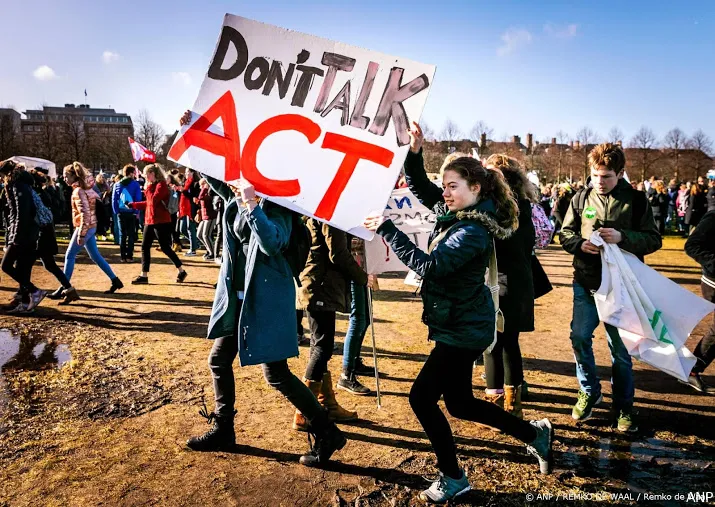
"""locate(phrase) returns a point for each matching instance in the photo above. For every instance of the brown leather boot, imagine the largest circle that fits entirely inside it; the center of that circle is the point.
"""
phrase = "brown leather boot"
(300, 423)
(498, 400)
(327, 399)
(512, 401)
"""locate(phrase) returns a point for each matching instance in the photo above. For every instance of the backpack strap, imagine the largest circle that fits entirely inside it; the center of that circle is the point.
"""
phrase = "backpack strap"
(580, 201)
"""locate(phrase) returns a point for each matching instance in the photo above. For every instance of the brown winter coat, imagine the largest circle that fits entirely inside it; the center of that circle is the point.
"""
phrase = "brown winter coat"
(325, 281)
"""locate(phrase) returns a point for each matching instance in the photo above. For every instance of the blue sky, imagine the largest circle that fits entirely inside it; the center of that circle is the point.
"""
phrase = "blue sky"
(519, 66)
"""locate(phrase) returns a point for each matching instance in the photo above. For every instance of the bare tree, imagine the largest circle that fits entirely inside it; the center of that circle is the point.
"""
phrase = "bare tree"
(700, 141)
(10, 137)
(562, 139)
(148, 133)
(450, 131)
(74, 138)
(427, 132)
(480, 128)
(615, 135)
(585, 137)
(644, 141)
(674, 141)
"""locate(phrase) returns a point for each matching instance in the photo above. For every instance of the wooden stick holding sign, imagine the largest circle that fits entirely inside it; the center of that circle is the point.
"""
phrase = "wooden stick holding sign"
(374, 349)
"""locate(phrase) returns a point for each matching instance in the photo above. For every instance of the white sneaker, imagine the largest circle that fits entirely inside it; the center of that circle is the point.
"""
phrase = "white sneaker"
(445, 488)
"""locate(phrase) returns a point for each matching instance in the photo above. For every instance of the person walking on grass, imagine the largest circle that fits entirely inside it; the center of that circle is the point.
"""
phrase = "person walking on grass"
(503, 364)
(124, 193)
(22, 233)
(208, 219)
(253, 317)
(157, 222)
(47, 242)
(84, 217)
(701, 247)
(624, 217)
(474, 206)
(324, 291)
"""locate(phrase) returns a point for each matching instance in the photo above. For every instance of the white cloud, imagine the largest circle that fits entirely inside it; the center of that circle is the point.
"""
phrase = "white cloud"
(109, 57)
(561, 31)
(182, 78)
(513, 39)
(44, 73)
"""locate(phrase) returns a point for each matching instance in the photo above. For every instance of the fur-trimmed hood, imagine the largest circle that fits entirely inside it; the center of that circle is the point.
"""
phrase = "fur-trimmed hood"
(484, 213)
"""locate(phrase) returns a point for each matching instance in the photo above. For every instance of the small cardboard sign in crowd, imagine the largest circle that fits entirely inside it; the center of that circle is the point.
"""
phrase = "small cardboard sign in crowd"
(317, 126)
(412, 218)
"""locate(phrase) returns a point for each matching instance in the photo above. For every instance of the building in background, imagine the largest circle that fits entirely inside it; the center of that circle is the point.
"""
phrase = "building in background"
(96, 137)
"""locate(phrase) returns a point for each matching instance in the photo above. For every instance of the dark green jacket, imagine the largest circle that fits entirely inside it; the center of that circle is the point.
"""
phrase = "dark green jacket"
(325, 281)
(613, 210)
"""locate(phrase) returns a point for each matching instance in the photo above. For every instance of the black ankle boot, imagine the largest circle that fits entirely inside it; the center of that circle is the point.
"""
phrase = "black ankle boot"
(116, 285)
(328, 439)
(58, 294)
(221, 437)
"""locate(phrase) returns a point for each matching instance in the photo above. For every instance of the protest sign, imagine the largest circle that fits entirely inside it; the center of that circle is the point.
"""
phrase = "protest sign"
(317, 126)
(412, 218)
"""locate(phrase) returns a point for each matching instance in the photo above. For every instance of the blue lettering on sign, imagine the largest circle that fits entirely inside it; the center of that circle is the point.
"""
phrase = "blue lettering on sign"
(400, 203)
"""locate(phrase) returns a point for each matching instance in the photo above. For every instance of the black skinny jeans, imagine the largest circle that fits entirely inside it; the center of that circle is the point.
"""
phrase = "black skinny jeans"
(17, 263)
(503, 365)
(322, 340)
(705, 350)
(277, 375)
(162, 232)
(448, 372)
(48, 261)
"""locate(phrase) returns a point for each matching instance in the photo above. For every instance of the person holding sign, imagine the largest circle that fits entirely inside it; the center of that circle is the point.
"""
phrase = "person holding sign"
(474, 207)
(503, 364)
(253, 316)
(325, 290)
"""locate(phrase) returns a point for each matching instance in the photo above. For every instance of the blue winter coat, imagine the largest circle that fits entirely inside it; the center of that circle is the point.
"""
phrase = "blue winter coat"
(135, 190)
(265, 328)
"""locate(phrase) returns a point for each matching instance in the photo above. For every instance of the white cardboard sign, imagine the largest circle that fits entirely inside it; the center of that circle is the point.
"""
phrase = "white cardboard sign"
(317, 126)
(412, 218)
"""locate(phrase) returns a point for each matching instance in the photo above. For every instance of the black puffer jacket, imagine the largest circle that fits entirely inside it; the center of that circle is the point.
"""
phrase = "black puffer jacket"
(701, 244)
(458, 307)
(325, 281)
(22, 227)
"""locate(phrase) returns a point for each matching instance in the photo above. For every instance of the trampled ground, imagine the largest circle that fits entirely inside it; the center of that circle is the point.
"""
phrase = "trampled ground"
(109, 426)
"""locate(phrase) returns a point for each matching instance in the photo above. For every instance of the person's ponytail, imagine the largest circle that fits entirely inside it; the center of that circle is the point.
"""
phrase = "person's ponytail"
(507, 207)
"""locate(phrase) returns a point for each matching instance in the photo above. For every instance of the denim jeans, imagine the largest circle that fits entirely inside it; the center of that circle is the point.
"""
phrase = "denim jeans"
(127, 231)
(584, 323)
(187, 226)
(90, 244)
(357, 326)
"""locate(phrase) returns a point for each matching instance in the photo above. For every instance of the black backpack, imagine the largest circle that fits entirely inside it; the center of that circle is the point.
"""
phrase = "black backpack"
(296, 253)
(639, 203)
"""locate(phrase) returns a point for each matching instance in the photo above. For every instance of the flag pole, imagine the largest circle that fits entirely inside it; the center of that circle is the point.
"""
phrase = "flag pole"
(374, 350)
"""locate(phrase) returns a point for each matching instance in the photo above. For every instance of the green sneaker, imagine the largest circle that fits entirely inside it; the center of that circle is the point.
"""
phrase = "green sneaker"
(583, 409)
(445, 488)
(625, 422)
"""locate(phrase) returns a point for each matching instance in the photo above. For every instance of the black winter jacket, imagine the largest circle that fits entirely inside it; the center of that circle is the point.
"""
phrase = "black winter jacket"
(22, 227)
(701, 244)
(458, 307)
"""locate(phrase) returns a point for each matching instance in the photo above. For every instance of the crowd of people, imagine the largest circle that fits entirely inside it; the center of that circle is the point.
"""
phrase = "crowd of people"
(677, 207)
(272, 262)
